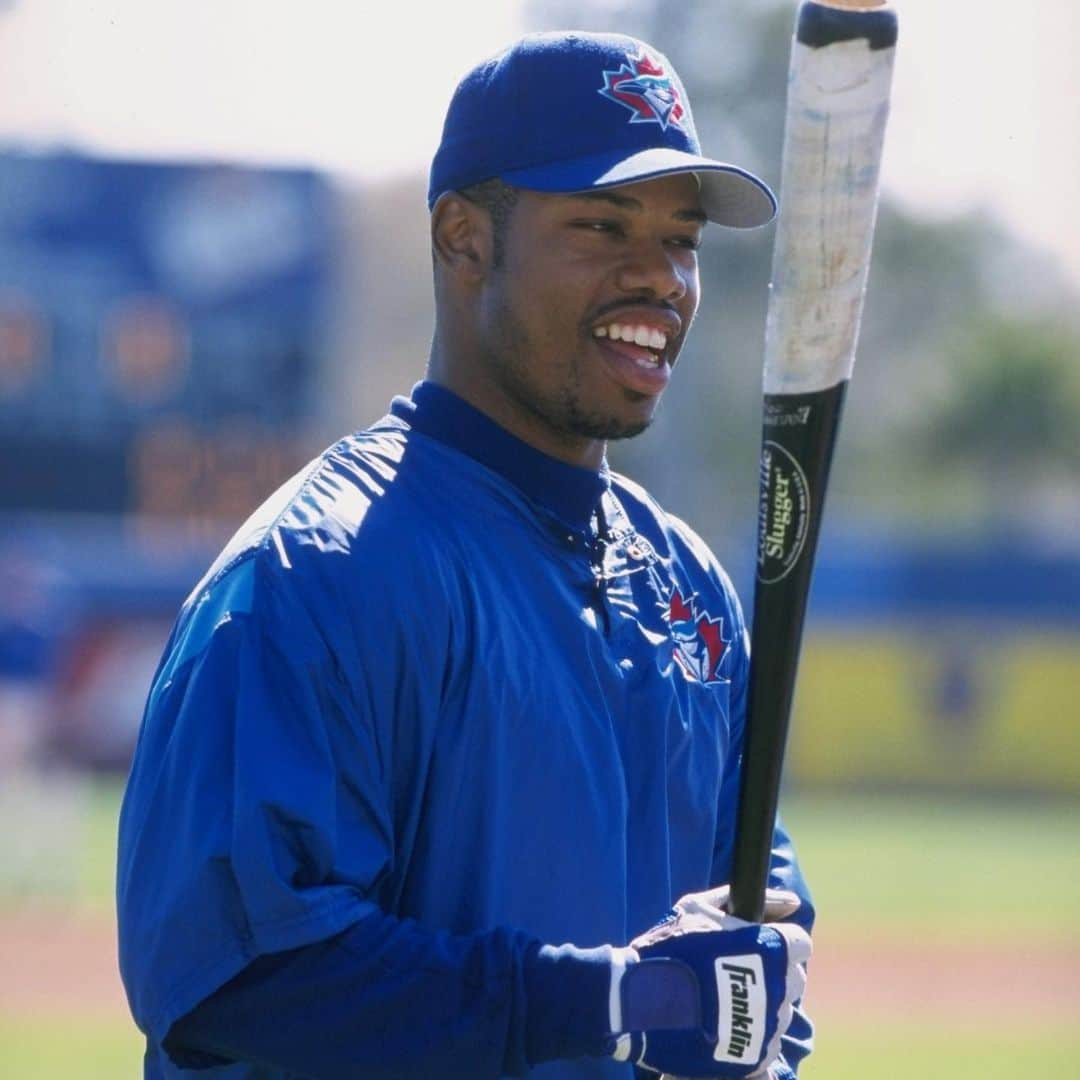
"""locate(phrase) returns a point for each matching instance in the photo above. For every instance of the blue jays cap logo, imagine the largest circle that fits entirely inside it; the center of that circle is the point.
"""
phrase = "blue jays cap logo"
(643, 86)
(699, 644)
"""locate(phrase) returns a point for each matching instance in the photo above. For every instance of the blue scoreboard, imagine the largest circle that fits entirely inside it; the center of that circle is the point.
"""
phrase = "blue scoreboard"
(162, 332)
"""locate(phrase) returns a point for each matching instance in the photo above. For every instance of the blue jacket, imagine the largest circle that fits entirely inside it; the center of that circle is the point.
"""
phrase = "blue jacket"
(442, 701)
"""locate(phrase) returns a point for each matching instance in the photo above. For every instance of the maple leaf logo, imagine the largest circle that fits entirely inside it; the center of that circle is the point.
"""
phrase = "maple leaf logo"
(643, 86)
(699, 644)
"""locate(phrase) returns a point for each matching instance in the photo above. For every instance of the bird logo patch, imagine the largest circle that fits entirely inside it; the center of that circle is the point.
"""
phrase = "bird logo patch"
(642, 86)
(699, 644)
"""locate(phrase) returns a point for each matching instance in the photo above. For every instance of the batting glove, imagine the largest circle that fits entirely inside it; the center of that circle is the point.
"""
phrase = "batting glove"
(704, 994)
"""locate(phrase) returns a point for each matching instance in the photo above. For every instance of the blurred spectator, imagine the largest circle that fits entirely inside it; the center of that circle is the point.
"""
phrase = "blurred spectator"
(33, 624)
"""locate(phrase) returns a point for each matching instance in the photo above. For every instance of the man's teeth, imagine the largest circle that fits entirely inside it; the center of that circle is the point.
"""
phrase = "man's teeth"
(646, 336)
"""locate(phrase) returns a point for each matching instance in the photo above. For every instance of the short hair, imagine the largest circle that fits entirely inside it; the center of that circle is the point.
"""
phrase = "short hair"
(498, 198)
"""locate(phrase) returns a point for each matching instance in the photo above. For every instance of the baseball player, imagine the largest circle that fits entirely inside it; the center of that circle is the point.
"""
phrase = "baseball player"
(456, 717)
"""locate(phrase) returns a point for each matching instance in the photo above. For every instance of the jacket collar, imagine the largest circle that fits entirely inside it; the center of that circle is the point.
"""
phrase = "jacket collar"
(569, 492)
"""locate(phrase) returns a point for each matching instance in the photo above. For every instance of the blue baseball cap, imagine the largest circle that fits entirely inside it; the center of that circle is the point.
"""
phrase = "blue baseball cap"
(573, 111)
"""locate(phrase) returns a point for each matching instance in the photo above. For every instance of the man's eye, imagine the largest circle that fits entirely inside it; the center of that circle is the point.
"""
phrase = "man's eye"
(600, 226)
(691, 243)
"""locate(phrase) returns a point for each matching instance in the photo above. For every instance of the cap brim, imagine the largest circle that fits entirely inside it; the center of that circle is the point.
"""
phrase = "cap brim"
(729, 195)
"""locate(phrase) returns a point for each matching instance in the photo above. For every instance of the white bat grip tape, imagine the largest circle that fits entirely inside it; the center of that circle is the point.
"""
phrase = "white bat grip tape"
(838, 104)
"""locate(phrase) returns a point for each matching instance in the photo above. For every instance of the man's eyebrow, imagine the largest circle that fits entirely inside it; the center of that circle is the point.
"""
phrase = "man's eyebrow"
(698, 217)
(627, 202)
(623, 202)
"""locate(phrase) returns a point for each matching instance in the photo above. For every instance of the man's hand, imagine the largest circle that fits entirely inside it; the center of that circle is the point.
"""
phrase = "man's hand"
(704, 994)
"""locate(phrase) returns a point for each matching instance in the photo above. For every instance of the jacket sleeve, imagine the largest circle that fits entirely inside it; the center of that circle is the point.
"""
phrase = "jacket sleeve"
(389, 1000)
(256, 829)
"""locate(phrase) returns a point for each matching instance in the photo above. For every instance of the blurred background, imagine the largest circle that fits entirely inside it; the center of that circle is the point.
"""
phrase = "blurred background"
(213, 261)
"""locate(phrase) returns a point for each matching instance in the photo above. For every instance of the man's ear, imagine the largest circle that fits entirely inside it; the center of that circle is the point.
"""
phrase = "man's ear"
(461, 235)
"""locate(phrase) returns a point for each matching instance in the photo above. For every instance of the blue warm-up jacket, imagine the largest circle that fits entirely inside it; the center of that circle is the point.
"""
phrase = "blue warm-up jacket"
(442, 701)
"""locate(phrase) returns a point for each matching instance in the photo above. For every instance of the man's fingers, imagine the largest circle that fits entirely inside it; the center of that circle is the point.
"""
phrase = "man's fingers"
(779, 904)
(717, 898)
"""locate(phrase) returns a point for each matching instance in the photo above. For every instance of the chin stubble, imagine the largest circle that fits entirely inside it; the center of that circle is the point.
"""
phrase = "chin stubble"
(596, 426)
(564, 414)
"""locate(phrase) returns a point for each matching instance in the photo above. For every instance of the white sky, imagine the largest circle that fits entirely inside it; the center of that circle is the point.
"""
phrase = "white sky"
(986, 106)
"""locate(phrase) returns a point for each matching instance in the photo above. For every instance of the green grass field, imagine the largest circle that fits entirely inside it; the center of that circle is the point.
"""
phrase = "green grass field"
(916, 865)
(920, 870)
(963, 1052)
(67, 1047)
(902, 869)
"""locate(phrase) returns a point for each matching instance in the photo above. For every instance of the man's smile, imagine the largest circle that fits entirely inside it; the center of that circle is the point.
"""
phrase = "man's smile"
(633, 341)
(640, 368)
(650, 338)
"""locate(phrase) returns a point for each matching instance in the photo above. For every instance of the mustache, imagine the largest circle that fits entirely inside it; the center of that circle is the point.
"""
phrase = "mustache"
(622, 305)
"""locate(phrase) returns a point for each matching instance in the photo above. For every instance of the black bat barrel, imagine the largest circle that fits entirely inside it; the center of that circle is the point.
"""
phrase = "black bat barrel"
(797, 445)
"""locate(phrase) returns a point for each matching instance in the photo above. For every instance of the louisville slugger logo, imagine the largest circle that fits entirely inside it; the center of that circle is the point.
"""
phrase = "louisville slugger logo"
(779, 519)
(783, 512)
(643, 86)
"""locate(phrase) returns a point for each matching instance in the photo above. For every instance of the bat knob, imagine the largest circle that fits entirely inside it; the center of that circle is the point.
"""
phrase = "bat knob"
(823, 23)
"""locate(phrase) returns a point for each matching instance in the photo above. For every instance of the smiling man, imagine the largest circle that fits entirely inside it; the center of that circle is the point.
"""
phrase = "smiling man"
(459, 711)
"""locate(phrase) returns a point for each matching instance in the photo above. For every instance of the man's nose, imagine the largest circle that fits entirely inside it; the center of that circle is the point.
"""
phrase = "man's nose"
(653, 270)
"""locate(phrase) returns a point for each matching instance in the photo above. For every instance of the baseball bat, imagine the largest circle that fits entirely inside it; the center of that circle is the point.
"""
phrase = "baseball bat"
(837, 105)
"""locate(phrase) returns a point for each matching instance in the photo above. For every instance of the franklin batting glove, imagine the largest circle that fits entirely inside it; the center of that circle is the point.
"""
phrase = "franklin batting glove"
(704, 994)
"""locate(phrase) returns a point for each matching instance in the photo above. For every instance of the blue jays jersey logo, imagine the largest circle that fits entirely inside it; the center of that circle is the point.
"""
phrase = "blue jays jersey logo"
(642, 86)
(699, 644)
